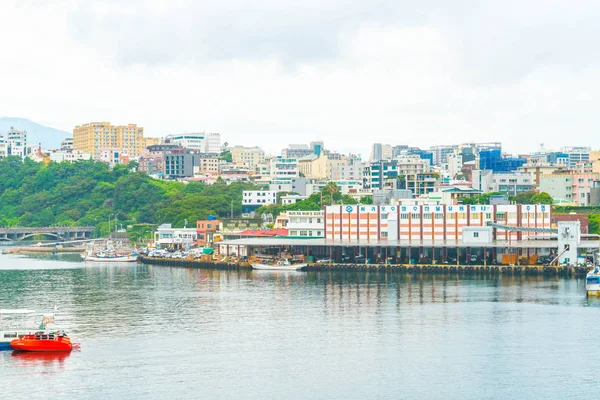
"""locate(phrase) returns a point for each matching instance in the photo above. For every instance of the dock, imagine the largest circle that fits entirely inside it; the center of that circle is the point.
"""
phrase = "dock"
(511, 270)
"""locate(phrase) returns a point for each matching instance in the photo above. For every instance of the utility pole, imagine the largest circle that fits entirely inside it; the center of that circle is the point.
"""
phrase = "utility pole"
(231, 215)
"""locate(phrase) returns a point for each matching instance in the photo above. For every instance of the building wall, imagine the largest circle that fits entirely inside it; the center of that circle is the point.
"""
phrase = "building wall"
(429, 222)
(92, 137)
(559, 186)
(253, 199)
(249, 156)
(306, 223)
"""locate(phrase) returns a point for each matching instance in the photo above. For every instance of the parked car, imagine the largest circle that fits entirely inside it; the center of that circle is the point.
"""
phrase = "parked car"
(322, 260)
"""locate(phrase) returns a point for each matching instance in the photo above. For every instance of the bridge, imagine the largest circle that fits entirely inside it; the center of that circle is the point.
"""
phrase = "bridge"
(58, 233)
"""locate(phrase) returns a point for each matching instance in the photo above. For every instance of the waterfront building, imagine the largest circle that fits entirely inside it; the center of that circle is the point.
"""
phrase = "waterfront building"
(175, 238)
(254, 199)
(91, 138)
(306, 223)
(424, 222)
(206, 231)
(249, 156)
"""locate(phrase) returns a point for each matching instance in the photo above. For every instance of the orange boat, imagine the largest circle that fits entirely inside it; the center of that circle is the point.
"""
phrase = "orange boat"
(43, 341)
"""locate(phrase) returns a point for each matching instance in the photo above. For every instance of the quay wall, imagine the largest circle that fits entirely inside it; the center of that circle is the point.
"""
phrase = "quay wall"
(181, 262)
(569, 271)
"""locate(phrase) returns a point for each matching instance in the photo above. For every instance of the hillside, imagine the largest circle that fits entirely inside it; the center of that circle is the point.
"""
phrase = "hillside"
(50, 138)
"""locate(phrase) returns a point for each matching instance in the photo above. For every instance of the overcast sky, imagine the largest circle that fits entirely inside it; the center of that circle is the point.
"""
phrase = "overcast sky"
(273, 72)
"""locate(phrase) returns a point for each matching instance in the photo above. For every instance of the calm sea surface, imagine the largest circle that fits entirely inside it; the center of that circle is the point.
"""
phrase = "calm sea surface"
(172, 333)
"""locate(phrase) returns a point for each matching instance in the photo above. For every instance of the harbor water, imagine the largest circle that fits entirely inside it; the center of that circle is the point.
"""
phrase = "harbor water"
(158, 332)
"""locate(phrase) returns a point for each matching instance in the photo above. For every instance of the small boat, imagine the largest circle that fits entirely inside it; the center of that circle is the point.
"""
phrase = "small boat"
(16, 325)
(43, 341)
(592, 282)
(281, 265)
(108, 257)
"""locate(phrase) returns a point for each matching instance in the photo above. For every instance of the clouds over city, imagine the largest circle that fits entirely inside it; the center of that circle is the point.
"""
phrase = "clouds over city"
(348, 72)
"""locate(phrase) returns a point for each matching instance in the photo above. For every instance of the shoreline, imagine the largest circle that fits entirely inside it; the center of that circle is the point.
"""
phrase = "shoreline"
(528, 270)
(24, 250)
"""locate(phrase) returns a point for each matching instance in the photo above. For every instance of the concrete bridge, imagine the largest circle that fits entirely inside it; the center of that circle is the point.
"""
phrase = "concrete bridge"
(59, 233)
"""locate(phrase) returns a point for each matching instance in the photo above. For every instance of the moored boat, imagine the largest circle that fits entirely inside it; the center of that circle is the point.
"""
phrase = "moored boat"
(592, 282)
(281, 265)
(43, 341)
(110, 257)
(16, 326)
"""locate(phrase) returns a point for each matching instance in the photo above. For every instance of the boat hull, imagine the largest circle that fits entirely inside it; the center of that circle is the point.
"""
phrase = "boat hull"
(593, 289)
(27, 344)
(111, 259)
(267, 267)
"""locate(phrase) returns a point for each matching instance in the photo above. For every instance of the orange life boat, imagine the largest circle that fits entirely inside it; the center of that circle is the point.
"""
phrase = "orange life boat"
(43, 342)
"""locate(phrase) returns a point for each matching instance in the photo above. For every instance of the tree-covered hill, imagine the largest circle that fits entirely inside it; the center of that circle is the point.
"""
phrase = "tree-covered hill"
(88, 193)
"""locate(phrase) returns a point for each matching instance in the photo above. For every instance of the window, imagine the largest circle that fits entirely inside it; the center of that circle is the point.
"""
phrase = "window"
(415, 216)
(302, 233)
(475, 234)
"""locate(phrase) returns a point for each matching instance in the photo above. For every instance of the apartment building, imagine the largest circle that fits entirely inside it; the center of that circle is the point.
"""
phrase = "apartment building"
(91, 138)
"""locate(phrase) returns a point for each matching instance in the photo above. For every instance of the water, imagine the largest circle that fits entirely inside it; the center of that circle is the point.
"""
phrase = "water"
(158, 332)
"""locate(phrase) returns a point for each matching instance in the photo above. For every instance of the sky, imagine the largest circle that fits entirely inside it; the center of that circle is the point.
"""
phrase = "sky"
(272, 72)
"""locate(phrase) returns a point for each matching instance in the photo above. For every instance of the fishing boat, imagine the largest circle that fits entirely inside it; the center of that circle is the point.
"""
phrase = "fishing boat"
(280, 265)
(13, 325)
(43, 341)
(109, 256)
(592, 282)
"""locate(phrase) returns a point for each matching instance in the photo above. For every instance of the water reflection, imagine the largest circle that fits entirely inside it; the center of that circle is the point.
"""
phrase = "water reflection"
(27, 359)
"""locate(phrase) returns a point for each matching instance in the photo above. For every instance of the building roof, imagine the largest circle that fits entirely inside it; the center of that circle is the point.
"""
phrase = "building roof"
(531, 244)
(264, 232)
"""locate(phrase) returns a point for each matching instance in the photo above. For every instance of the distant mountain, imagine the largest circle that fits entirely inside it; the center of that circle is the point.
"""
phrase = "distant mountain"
(50, 138)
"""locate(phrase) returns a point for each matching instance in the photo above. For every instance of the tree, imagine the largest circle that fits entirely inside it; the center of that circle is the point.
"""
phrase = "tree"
(366, 200)
(541, 198)
(226, 156)
(524, 197)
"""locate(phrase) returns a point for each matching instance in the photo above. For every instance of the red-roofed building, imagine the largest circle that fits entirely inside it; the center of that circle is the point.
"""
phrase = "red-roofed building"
(264, 232)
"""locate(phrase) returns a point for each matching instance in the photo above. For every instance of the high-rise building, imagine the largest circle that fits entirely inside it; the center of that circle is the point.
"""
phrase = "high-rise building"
(91, 138)
(16, 143)
(381, 152)
(3, 147)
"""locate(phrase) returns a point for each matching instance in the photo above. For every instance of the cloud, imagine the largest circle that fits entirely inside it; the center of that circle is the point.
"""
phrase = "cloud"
(348, 72)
